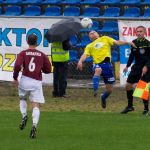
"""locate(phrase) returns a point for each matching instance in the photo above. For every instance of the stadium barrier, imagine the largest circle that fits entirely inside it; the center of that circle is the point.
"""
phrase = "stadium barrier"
(18, 30)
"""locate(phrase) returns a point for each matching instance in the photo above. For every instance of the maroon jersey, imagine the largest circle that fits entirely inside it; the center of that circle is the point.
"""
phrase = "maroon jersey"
(33, 63)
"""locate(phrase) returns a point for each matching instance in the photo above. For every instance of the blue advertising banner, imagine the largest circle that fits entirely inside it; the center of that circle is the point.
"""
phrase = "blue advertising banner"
(13, 35)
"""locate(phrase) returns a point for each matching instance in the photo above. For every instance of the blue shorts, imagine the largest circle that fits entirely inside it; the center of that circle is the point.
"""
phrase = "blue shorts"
(107, 72)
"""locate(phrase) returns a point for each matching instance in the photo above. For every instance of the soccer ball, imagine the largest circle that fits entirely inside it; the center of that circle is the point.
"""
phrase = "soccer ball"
(86, 22)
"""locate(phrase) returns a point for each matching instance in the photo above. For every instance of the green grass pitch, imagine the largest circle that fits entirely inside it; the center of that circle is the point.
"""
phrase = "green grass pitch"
(76, 131)
(77, 123)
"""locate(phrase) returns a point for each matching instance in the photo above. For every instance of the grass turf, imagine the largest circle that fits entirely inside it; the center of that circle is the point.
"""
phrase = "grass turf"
(77, 123)
(76, 131)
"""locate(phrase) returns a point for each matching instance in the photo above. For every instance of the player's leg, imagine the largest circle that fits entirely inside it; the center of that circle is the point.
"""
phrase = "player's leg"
(146, 108)
(23, 108)
(35, 119)
(105, 94)
(129, 92)
(96, 78)
(109, 79)
(36, 98)
(133, 78)
(129, 89)
(146, 78)
(35, 113)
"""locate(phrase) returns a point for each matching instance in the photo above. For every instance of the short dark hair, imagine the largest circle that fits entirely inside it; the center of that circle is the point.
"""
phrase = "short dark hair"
(32, 39)
(141, 27)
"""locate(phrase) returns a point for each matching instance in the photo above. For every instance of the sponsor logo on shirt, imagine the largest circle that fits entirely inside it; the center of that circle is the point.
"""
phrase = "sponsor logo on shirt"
(98, 45)
(142, 51)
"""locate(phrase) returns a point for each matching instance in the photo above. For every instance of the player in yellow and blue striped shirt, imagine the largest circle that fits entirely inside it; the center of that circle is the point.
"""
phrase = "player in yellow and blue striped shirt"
(100, 50)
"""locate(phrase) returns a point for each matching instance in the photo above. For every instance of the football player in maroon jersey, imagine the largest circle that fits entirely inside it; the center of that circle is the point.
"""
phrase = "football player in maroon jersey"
(32, 63)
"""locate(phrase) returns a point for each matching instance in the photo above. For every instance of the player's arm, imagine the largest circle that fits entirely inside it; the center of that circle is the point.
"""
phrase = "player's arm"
(81, 60)
(131, 58)
(129, 62)
(18, 65)
(119, 42)
(46, 65)
(146, 68)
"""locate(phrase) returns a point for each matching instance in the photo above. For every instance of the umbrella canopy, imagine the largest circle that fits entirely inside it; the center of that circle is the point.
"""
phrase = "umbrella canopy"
(63, 29)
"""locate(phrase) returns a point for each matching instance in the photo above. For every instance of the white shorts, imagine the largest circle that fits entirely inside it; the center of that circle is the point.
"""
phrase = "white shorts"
(33, 88)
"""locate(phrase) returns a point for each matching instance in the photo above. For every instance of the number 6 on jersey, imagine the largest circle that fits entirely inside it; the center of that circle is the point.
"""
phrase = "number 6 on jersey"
(31, 65)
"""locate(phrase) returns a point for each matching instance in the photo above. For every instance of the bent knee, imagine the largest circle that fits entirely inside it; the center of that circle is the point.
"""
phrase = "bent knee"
(109, 88)
(98, 71)
(128, 86)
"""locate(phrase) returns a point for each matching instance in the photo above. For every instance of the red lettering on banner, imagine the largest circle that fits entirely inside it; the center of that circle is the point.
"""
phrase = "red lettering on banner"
(124, 30)
(131, 31)
(134, 31)
(148, 32)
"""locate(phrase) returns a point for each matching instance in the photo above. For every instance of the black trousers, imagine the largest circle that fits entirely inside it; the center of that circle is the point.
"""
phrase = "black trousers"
(135, 74)
(60, 78)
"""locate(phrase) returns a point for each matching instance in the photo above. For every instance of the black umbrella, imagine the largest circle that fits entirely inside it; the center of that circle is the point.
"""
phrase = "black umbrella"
(63, 29)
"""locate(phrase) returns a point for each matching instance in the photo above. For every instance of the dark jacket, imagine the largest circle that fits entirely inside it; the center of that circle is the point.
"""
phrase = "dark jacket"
(67, 45)
(141, 54)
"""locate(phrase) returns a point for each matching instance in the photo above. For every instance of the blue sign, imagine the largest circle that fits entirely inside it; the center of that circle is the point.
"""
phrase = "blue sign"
(124, 53)
(19, 32)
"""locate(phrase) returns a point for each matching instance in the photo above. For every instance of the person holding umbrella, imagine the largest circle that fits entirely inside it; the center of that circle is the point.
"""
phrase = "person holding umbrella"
(63, 30)
(58, 35)
(60, 58)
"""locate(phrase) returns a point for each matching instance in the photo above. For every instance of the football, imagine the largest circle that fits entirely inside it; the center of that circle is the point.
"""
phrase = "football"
(86, 22)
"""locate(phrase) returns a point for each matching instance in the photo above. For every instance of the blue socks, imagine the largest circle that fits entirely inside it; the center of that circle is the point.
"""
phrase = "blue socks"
(105, 95)
(96, 80)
